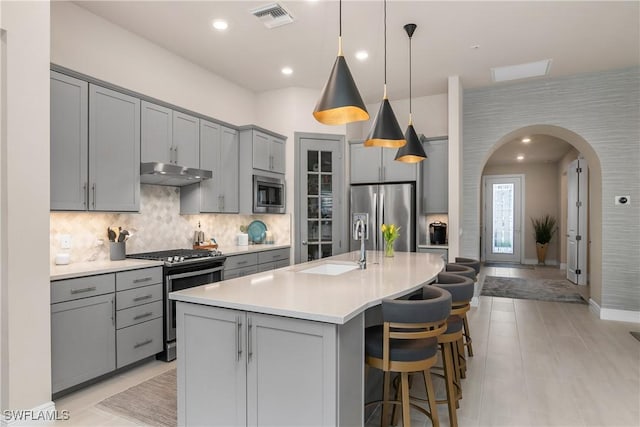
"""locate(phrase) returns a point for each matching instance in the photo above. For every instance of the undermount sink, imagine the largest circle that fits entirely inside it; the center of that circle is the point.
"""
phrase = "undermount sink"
(330, 269)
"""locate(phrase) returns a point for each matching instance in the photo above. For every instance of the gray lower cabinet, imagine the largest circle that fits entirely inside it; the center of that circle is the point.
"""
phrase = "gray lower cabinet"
(239, 368)
(375, 164)
(435, 175)
(219, 152)
(114, 150)
(104, 322)
(256, 262)
(69, 143)
(139, 315)
(83, 344)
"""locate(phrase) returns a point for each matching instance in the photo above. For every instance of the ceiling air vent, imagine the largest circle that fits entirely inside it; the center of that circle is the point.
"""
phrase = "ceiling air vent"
(272, 15)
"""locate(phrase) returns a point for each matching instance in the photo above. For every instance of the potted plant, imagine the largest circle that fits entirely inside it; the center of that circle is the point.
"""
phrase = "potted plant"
(544, 228)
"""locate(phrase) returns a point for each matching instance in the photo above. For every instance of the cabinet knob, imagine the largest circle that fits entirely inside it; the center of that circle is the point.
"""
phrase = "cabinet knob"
(304, 242)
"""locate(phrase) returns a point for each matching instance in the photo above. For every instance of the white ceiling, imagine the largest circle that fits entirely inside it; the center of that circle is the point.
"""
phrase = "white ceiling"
(578, 36)
(541, 149)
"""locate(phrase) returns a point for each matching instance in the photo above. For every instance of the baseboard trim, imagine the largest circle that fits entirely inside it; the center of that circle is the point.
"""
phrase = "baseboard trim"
(614, 314)
(41, 414)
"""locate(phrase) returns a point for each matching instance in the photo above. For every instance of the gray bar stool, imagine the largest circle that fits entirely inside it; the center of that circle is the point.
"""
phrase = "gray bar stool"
(407, 342)
(461, 290)
(470, 272)
(469, 262)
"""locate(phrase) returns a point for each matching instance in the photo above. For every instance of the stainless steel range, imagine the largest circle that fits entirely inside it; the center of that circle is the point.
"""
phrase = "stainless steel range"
(183, 269)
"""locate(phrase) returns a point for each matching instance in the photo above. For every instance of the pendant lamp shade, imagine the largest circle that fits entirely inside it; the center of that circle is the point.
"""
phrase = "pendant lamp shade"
(385, 131)
(413, 152)
(340, 101)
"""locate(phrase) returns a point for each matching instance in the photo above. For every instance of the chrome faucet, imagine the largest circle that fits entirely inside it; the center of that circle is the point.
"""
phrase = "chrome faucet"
(359, 232)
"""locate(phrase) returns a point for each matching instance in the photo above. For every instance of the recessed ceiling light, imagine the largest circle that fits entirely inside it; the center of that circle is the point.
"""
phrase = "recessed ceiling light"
(520, 157)
(521, 71)
(526, 140)
(362, 55)
(474, 46)
(287, 71)
(220, 24)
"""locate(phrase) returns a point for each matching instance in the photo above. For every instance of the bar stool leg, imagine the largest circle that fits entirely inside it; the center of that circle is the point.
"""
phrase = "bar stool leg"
(406, 416)
(385, 398)
(467, 335)
(431, 395)
(449, 374)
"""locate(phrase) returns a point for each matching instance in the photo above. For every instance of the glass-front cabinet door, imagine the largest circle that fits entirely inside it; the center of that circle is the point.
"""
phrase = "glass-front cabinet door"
(320, 203)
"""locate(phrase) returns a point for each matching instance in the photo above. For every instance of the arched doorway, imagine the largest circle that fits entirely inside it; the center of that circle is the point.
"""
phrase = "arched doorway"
(585, 151)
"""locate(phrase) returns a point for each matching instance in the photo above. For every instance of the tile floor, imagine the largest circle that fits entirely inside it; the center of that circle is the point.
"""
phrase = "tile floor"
(536, 364)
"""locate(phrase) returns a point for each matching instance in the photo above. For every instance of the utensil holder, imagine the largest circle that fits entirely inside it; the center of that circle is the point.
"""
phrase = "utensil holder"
(117, 251)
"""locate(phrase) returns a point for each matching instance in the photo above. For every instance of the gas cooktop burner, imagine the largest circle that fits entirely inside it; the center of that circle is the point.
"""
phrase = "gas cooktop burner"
(173, 256)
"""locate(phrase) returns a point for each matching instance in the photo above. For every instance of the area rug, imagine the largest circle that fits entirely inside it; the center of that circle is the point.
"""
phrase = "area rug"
(152, 402)
(508, 265)
(558, 290)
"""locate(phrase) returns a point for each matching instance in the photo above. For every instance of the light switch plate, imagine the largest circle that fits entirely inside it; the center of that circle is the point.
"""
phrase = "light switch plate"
(65, 241)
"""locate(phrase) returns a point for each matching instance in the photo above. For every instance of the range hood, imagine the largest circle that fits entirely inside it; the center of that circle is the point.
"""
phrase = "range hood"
(172, 175)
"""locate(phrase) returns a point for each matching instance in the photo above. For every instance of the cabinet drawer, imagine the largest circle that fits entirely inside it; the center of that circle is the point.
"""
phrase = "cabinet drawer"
(142, 313)
(136, 278)
(240, 261)
(282, 263)
(137, 342)
(133, 297)
(266, 266)
(239, 272)
(82, 287)
(275, 255)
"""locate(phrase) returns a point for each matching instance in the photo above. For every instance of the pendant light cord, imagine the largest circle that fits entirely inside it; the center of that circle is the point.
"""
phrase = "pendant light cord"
(340, 19)
(410, 110)
(385, 44)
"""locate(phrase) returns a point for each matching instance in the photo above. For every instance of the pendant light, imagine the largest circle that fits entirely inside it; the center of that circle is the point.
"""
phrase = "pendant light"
(385, 131)
(340, 101)
(413, 151)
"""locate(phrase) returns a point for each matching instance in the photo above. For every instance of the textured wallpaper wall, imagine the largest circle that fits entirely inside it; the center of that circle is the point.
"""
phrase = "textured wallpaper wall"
(158, 226)
(602, 108)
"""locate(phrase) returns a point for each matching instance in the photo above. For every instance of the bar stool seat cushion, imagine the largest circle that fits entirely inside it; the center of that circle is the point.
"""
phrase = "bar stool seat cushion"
(401, 350)
(454, 324)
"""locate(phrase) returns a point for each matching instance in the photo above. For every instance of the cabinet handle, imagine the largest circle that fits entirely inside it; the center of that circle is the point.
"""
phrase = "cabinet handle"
(242, 262)
(380, 173)
(249, 346)
(143, 343)
(275, 256)
(85, 193)
(384, 173)
(239, 337)
(142, 316)
(143, 279)
(175, 150)
(83, 290)
(113, 311)
(142, 298)
(93, 188)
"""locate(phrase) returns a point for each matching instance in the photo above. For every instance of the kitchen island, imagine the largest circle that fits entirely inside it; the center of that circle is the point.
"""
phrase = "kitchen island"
(286, 347)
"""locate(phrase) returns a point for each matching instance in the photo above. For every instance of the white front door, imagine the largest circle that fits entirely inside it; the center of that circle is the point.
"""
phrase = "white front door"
(577, 198)
(503, 218)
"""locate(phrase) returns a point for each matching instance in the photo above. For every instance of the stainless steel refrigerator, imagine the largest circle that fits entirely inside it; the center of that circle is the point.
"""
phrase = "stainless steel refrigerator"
(385, 204)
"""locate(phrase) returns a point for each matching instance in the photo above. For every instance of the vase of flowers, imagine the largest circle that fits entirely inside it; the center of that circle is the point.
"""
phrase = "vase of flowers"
(390, 233)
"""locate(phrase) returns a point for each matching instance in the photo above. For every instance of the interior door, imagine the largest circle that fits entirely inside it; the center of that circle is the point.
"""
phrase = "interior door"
(503, 218)
(577, 202)
(321, 194)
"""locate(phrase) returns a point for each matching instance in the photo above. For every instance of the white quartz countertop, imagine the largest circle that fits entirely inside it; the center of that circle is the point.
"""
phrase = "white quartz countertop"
(238, 250)
(430, 246)
(335, 299)
(90, 268)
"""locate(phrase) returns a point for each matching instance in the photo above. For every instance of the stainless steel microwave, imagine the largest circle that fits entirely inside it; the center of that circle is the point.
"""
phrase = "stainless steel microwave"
(268, 195)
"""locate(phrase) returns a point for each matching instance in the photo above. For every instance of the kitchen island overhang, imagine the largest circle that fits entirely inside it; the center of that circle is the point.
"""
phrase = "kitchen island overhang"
(286, 347)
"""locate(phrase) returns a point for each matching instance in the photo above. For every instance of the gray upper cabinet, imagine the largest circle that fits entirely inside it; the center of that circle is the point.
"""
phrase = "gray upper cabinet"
(375, 164)
(157, 133)
(219, 152)
(69, 143)
(435, 176)
(169, 136)
(186, 140)
(114, 150)
(268, 151)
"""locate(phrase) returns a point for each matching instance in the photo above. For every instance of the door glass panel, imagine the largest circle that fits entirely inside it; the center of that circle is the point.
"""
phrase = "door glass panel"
(313, 231)
(312, 161)
(312, 208)
(326, 231)
(326, 251)
(326, 184)
(503, 218)
(314, 252)
(312, 184)
(326, 161)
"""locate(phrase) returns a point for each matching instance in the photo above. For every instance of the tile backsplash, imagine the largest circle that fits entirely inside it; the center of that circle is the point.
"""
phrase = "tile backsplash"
(158, 226)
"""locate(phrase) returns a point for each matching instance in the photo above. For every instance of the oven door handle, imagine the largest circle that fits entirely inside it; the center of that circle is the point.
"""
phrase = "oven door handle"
(194, 273)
